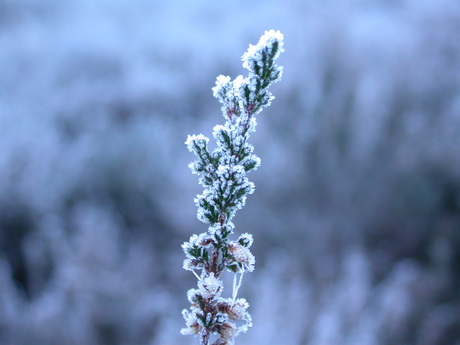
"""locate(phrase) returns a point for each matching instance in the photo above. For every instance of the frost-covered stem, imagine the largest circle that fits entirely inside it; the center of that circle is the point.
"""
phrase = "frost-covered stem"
(222, 173)
(205, 336)
(215, 265)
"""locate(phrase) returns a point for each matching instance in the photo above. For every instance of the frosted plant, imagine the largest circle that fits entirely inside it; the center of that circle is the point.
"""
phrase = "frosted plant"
(222, 173)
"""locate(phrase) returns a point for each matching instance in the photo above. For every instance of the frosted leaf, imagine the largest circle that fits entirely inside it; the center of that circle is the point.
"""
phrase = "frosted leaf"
(246, 240)
(196, 143)
(225, 138)
(191, 264)
(224, 171)
(239, 85)
(250, 54)
(207, 208)
(187, 245)
(239, 82)
(251, 162)
(195, 166)
(193, 296)
(218, 128)
(277, 74)
(204, 240)
(191, 321)
(223, 84)
(196, 251)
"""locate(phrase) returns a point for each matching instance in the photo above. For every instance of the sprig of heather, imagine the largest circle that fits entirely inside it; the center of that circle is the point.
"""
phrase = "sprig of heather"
(222, 173)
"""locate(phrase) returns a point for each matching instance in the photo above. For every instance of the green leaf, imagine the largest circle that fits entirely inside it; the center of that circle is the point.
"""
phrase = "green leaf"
(240, 193)
(233, 268)
(205, 255)
(250, 165)
(194, 251)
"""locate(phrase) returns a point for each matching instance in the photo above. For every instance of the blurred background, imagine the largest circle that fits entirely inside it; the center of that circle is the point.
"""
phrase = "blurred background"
(356, 212)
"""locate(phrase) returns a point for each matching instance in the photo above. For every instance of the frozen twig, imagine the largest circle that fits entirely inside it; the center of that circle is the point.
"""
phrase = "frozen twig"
(222, 173)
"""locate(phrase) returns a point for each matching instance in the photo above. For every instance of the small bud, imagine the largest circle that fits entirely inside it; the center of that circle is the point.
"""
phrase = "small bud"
(238, 310)
(242, 255)
(210, 286)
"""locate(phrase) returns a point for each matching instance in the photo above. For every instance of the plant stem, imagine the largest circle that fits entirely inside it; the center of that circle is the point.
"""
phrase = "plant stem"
(204, 336)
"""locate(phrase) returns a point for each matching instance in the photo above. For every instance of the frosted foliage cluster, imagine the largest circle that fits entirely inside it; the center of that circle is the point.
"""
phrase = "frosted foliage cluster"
(222, 173)
(249, 94)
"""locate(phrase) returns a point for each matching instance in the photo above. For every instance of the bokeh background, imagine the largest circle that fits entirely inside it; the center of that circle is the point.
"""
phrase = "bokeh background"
(356, 212)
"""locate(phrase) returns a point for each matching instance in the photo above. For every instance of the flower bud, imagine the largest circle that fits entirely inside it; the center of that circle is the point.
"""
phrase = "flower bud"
(242, 255)
(210, 286)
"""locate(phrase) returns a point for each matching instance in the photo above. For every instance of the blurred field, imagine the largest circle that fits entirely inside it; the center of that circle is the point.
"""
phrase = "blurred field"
(356, 212)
